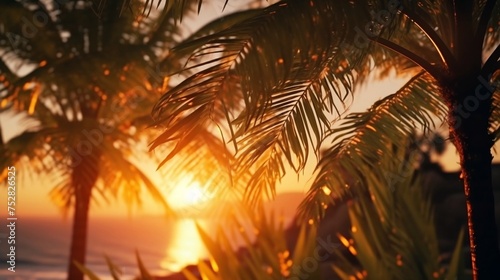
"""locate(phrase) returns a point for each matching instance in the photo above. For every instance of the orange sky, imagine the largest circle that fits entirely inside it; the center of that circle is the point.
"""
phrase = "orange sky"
(33, 199)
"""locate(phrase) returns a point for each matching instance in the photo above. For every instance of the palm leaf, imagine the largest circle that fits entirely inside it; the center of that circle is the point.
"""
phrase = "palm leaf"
(456, 268)
(87, 272)
(208, 162)
(393, 231)
(113, 268)
(271, 70)
(290, 86)
(363, 138)
(144, 273)
(176, 7)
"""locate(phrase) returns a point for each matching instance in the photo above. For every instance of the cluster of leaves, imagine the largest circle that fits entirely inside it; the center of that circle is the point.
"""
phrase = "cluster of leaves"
(393, 232)
(88, 88)
(273, 96)
(266, 252)
(393, 237)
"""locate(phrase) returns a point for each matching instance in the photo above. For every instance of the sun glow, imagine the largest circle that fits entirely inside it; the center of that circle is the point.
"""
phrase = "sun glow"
(188, 193)
(185, 247)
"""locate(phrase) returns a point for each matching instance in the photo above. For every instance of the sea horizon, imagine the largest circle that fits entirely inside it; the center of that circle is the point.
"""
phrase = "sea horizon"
(42, 246)
(164, 245)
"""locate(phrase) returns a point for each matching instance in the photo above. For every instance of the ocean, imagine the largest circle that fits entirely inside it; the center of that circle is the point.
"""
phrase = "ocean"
(165, 246)
(42, 246)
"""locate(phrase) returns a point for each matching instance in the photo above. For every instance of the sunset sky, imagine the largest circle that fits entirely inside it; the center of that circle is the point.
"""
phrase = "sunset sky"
(250, 139)
(33, 195)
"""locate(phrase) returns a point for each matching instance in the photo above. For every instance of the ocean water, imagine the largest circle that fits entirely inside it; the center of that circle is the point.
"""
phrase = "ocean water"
(42, 246)
(165, 246)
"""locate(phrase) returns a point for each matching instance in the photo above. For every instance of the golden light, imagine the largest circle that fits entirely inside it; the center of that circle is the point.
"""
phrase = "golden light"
(326, 190)
(185, 247)
(187, 193)
(34, 99)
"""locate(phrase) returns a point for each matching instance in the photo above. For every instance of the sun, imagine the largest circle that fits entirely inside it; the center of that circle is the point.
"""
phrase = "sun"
(187, 193)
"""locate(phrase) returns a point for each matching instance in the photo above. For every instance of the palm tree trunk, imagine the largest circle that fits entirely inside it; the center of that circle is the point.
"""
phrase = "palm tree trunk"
(469, 104)
(83, 178)
(1, 137)
(469, 99)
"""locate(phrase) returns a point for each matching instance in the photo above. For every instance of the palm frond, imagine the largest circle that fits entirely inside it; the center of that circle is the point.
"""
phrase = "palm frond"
(487, 16)
(268, 257)
(208, 162)
(393, 231)
(30, 144)
(118, 8)
(289, 84)
(295, 118)
(363, 138)
(28, 31)
(268, 65)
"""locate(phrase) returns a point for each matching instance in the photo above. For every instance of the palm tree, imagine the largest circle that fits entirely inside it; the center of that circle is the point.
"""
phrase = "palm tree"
(294, 65)
(89, 86)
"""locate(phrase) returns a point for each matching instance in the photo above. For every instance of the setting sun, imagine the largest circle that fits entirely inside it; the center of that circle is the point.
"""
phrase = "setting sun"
(187, 193)
(277, 139)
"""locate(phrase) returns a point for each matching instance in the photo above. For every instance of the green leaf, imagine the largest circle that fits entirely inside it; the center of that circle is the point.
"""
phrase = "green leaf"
(86, 271)
(142, 269)
(456, 268)
(363, 139)
(188, 274)
(115, 271)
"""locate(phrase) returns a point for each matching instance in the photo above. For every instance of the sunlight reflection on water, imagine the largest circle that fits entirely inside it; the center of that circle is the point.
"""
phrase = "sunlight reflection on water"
(185, 246)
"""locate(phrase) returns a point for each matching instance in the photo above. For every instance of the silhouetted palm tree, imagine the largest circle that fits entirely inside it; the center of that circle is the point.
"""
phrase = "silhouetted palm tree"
(294, 65)
(89, 83)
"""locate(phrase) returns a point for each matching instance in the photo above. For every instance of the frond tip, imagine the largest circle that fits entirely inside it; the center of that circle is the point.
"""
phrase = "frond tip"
(289, 87)
(363, 139)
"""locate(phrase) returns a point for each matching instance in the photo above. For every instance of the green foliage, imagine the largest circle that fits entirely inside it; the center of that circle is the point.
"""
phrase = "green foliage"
(113, 268)
(89, 87)
(394, 236)
(177, 8)
(363, 143)
(266, 254)
(274, 96)
(393, 233)
(91, 275)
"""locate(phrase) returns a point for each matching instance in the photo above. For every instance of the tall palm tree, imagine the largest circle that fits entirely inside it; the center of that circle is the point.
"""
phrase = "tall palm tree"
(294, 65)
(89, 86)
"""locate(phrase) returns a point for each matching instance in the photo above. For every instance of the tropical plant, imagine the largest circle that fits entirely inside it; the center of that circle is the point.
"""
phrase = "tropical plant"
(393, 231)
(88, 84)
(266, 252)
(294, 65)
(393, 236)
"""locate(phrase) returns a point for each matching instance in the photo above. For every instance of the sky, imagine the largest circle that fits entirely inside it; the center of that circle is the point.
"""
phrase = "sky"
(33, 195)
